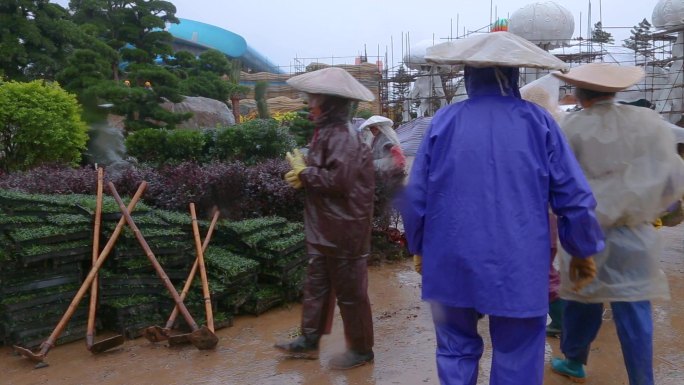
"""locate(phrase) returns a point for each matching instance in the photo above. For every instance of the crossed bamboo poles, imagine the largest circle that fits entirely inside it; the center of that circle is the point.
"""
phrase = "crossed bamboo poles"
(201, 337)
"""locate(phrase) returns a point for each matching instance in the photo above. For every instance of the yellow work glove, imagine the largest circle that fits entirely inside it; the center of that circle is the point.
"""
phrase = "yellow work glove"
(418, 263)
(293, 179)
(658, 223)
(296, 160)
(298, 164)
(582, 272)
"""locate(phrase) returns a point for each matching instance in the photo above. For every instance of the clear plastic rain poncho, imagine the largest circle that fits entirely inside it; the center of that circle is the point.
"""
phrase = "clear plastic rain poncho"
(545, 92)
(627, 155)
(386, 148)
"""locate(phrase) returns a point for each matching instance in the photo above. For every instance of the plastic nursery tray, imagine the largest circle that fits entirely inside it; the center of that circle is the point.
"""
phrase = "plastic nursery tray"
(260, 306)
(61, 256)
(60, 298)
(31, 338)
(37, 285)
(39, 317)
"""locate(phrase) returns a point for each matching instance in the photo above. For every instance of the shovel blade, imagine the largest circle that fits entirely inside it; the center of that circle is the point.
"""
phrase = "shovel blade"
(107, 344)
(156, 334)
(29, 354)
(203, 338)
(179, 339)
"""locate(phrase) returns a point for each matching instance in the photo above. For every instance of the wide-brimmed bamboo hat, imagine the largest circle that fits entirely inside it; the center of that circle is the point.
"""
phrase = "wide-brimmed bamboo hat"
(602, 77)
(331, 81)
(496, 49)
(376, 120)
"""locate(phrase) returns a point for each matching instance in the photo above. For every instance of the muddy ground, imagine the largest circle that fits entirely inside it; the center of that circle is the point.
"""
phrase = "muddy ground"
(404, 349)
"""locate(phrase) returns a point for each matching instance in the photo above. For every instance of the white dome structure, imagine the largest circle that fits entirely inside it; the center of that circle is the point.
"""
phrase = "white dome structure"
(668, 14)
(546, 24)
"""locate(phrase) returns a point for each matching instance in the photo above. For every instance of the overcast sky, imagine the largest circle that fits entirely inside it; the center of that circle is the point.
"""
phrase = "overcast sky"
(282, 30)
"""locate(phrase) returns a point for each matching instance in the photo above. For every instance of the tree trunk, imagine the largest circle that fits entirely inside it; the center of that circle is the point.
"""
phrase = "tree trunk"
(235, 102)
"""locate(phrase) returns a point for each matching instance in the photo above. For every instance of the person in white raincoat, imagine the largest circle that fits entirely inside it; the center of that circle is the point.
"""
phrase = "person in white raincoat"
(378, 134)
(389, 164)
(545, 93)
(628, 157)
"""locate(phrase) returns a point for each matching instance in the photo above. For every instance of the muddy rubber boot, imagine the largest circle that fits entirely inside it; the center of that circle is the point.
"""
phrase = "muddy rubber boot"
(351, 359)
(574, 370)
(553, 329)
(304, 347)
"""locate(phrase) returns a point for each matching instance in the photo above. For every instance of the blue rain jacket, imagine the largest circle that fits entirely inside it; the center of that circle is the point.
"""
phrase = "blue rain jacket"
(476, 205)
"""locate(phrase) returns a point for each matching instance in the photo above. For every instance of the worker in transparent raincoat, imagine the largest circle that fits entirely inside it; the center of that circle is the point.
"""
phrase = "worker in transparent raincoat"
(544, 92)
(628, 156)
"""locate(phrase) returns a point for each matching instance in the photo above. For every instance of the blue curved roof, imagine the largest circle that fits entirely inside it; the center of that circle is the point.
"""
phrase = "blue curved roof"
(209, 36)
(212, 37)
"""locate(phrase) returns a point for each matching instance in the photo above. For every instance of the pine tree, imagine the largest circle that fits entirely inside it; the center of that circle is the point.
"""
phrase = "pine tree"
(639, 41)
(402, 81)
(601, 36)
(36, 37)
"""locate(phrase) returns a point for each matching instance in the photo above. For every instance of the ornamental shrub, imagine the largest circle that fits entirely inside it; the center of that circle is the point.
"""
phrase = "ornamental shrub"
(52, 179)
(268, 194)
(158, 146)
(250, 142)
(253, 141)
(299, 125)
(184, 145)
(147, 145)
(40, 123)
(237, 190)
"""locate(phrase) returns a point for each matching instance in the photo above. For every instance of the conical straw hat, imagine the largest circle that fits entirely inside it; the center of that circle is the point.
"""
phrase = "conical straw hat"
(376, 120)
(602, 77)
(494, 49)
(331, 81)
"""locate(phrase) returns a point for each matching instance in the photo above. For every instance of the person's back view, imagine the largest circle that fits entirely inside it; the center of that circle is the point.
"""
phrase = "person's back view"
(476, 209)
(628, 156)
(489, 172)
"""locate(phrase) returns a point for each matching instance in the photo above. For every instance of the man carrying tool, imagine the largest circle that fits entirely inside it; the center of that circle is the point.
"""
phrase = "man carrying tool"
(338, 178)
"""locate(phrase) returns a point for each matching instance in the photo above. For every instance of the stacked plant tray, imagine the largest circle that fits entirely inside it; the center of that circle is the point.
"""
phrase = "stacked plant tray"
(133, 296)
(46, 252)
(128, 316)
(278, 247)
(232, 277)
(232, 280)
(45, 242)
(264, 299)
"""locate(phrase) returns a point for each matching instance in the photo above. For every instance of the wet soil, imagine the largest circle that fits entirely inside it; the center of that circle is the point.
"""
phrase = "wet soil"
(404, 348)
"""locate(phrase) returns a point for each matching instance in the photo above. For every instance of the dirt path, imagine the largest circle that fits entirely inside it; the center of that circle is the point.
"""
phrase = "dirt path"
(404, 346)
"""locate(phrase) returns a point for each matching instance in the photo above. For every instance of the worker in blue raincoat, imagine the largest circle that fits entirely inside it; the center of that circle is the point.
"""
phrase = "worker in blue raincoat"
(476, 210)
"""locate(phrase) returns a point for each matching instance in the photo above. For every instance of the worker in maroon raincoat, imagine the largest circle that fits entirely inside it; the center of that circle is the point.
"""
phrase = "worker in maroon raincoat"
(338, 177)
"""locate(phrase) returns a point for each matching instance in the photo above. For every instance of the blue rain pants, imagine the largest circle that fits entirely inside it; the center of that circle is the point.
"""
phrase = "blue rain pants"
(518, 344)
(634, 324)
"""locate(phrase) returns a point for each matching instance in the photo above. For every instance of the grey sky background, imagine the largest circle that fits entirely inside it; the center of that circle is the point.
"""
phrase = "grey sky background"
(283, 30)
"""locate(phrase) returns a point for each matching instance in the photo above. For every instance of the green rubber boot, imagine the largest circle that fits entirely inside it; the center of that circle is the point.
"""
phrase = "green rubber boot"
(553, 329)
(572, 369)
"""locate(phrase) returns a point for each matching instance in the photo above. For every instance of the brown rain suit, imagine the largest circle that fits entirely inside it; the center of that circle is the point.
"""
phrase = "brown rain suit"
(339, 184)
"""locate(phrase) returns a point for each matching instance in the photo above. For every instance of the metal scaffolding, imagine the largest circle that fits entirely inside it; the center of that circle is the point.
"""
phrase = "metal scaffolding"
(394, 82)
